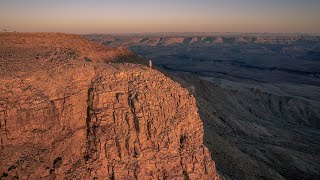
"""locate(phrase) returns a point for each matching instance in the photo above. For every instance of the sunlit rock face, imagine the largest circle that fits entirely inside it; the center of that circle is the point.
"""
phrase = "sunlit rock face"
(64, 116)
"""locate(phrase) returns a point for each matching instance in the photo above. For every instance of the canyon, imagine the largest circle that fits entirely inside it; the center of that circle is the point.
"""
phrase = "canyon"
(70, 110)
(258, 96)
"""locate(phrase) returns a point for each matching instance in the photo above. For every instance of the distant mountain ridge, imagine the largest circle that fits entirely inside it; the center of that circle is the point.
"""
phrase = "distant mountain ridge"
(158, 40)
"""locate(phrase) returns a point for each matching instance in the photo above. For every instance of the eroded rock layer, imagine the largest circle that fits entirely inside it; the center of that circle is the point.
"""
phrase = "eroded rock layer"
(94, 120)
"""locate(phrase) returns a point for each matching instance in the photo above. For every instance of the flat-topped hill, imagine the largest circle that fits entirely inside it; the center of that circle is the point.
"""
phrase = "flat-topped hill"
(22, 52)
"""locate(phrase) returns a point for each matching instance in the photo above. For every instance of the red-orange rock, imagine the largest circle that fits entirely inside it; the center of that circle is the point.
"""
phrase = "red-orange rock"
(84, 120)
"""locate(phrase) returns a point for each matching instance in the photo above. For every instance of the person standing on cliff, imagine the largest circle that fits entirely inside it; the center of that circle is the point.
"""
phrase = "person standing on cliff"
(150, 63)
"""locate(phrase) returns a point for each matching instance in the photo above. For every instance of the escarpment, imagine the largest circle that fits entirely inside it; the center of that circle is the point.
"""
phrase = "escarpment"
(83, 119)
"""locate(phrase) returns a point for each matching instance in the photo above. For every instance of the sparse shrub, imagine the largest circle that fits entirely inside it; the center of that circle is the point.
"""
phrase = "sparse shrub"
(87, 59)
(107, 43)
(132, 58)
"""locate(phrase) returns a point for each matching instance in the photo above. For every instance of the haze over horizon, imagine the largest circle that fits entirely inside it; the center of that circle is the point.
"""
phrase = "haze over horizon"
(141, 16)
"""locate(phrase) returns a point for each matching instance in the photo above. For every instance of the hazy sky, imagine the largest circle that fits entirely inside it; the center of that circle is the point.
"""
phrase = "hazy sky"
(121, 16)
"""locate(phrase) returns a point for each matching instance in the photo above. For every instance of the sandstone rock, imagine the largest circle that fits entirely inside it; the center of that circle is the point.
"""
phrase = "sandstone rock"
(88, 120)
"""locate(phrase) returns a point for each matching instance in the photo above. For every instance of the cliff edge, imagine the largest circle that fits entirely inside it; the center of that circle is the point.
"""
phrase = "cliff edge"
(65, 113)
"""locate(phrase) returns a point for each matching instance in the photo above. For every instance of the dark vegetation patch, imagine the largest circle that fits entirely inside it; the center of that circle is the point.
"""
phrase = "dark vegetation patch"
(87, 59)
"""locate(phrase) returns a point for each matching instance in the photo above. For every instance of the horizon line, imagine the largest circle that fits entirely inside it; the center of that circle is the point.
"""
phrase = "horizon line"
(163, 33)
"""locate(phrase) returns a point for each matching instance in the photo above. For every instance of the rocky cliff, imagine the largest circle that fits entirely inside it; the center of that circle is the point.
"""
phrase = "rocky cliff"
(65, 114)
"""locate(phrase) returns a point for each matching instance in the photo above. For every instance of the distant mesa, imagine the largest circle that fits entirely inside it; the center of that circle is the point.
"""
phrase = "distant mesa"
(218, 40)
(175, 40)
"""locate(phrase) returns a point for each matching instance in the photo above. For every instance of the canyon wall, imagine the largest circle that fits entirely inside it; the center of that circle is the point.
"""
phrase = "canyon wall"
(72, 118)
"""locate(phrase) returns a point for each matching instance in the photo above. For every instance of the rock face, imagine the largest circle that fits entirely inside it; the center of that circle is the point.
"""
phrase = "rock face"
(86, 120)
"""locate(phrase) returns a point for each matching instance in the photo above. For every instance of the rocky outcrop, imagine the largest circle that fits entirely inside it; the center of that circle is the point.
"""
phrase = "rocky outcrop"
(86, 120)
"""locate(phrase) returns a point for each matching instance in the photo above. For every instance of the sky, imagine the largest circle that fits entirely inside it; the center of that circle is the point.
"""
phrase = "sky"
(147, 16)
